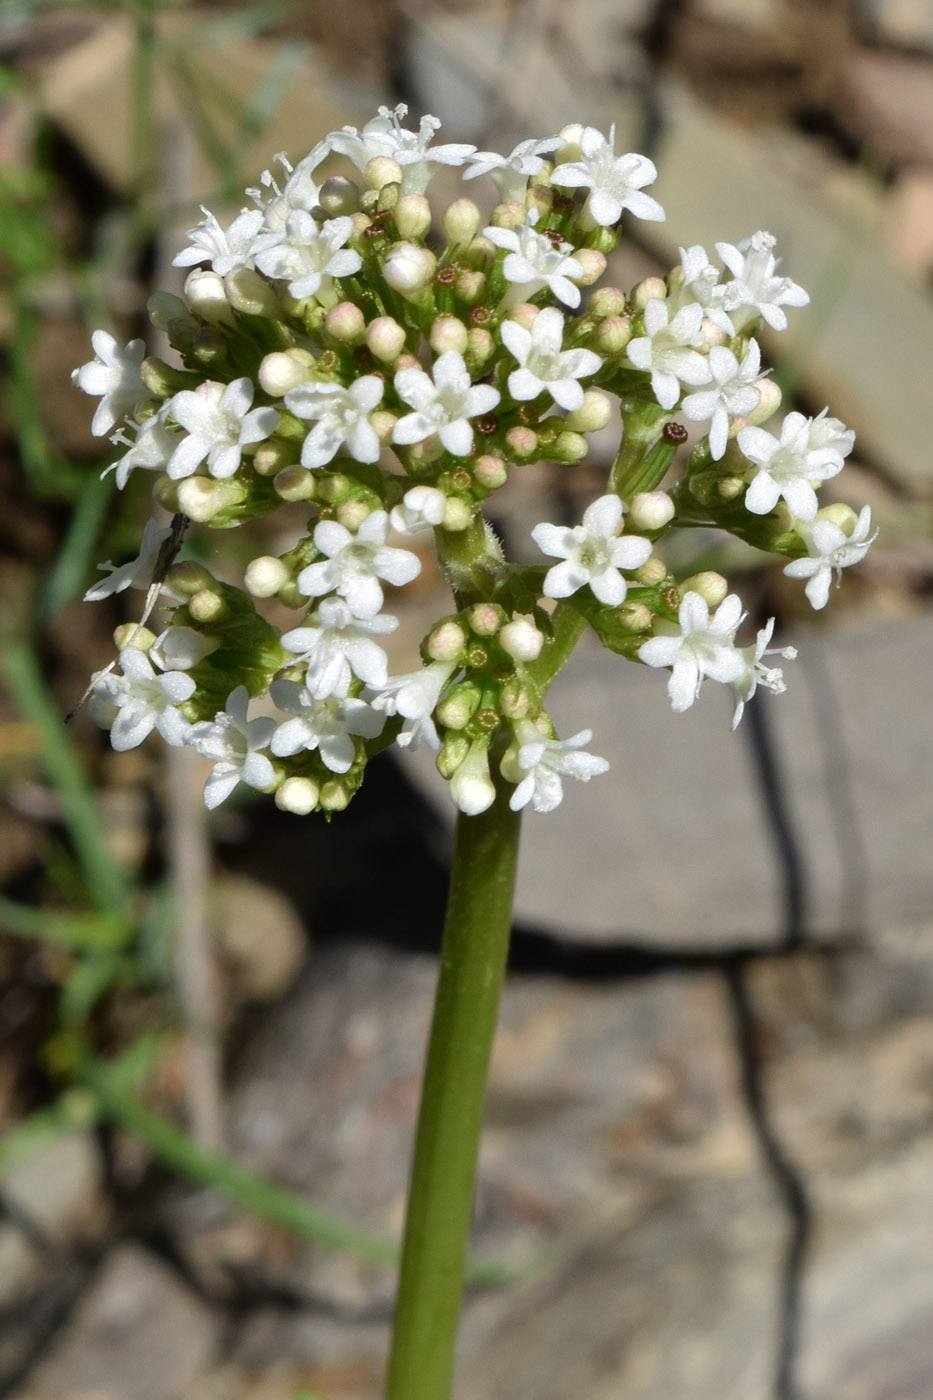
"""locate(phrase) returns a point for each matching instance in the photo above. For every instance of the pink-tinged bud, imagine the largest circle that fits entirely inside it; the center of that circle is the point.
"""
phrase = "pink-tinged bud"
(413, 216)
(471, 286)
(295, 484)
(285, 369)
(382, 171)
(521, 639)
(346, 323)
(485, 619)
(607, 301)
(461, 221)
(524, 314)
(490, 472)
(594, 413)
(339, 197)
(713, 334)
(522, 444)
(480, 347)
(266, 575)
(458, 515)
(712, 587)
(271, 457)
(653, 571)
(471, 787)
(651, 289)
(447, 642)
(408, 269)
(352, 512)
(650, 510)
(383, 424)
(385, 338)
(593, 263)
(206, 295)
(297, 795)
(448, 333)
(612, 335)
(201, 497)
(251, 294)
(508, 215)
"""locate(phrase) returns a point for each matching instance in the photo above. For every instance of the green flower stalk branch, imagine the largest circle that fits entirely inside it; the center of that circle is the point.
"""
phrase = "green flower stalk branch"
(344, 346)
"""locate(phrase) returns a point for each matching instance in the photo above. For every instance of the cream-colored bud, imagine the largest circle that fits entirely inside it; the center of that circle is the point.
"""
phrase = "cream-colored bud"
(447, 642)
(522, 444)
(251, 294)
(471, 787)
(612, 335)
(165, 493)
(335, 794)
(295, 484)
(521, 639)
(634, 617)
(650, 510)
(266, 575)
(524, 314)
(480, 347)
(461, 221)
(361, 222)
(285, 369)
(651, 289)
(840, 514)
(571, 150)
(188, 577)
(346, 323)
(352, 512)
(480, 254)
(383, 422)
(408, 269)
(206, 295)
(569, 448)
(208, 606)
(454, 751)
(471, 286)
(712, 334)
(130, 634)
(490, 471)
(509, 215)
(607, 301)
(459, 707)
(515, 699)
(385, 338)
(271, 457)
(652, 572)
(769, 403)
(594, 413)
(457, 515)
(382, 170)
(540, 198)
(297, 795)
(448, 333)
(593, 263)
(712, 587)
(201, 497)
(339, 197)
(413, 216)
(485, 619)
(163, 308)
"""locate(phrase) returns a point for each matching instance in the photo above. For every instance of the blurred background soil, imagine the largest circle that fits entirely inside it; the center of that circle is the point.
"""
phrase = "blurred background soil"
(709, 1144)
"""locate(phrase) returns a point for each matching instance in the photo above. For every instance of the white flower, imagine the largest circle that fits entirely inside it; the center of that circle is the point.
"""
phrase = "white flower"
(511, 173)
(325, 725)
(151, 448)
(593, 553)
(534, 262)
(443, 405)
(336, 645)
(756, 674)
(756, 290)
(131, 705)
(545, 762)
(422, 508)
(414, 695)
(471, 787)
(809, 452)
(668, 350)
(699, 283)
(306, 253)
(699, 646)
(384, 135)
(300, 190)
(342, 417)
(355, 563)
(137, 573)
(224, 249)
(232, 743)
(614, 182)
(735, 394)
(113, 374)
(543, 364)
(220, 424)
(829, 547)
(180, 648)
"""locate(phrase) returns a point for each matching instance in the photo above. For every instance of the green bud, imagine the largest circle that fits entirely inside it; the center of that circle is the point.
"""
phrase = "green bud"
(208, 606)
(188, 577)
(712, 587)
(457, 709)
(164, 380)
(454, 751)
(335, 794)
(273, 456)
(296, 483)
(130, 634)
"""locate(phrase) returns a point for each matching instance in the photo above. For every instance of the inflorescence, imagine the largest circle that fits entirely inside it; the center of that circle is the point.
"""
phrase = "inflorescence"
(335, 351)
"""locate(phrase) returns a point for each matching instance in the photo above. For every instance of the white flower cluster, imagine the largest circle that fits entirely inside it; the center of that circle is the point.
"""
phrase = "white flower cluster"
(332, 350)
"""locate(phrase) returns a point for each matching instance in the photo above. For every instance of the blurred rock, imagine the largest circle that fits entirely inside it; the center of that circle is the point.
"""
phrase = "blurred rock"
(261, 939)
(908, 221)
(901, 23)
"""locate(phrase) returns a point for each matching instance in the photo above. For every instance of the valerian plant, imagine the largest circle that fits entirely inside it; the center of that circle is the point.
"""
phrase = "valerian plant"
(344, 345)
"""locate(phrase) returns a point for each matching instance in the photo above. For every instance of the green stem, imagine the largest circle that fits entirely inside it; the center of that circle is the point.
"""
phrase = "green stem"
(476, 938)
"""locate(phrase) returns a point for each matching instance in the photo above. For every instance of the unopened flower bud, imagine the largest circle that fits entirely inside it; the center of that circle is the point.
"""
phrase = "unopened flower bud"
(712, 334)
(382, 170)
(593, 414)
(730, 488)
(361, 222)
(130, 634)
(448, 333)
(524, 314)
(352, 512)
(612, 335)
(163, 308)
(712, 587)
(480, 347)
(652, 572)
(509, 214)
(650, 289)
(471, 286)
(165, 494)
(522, 444)
(188, 577)
(569, 448)
(769, 403)
(461, 221)
(447, 642)
(471, 787)
(571, 150)
(607, 301)
(457, 709)
(346, 323)
(297, 795)
(593, 263)
(840, 514)
(208, 606)
(413, 216)
(455, 749)
(295, 484)
(521, 639)
(335, 794)
(490, 472)
(515, 699)
(480, 254)
(285, 369)
(339, 196)
(206, 295)
(331, 487)
(383, 424)
(650, 510)
(385, 338)
(457, 515)
(272, 456)
(266, 575)
(634, 617)
(540, 198)
(485, 619)
(251, 294)
(408, 269)
(201, 497)
(180, 648)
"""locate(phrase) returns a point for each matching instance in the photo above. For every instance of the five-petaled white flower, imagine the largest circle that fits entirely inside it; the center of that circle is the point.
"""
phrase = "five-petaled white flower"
(137, 573)
(668, 350)
(511, 173)
(414, 696)
(443, 405)
(697, 646)
(829, 548)
(697, 280)
(543, 364)
(614, 182)
(735, 394)
(755, 289)
(756, 673)
(150, 449)
(219, 423)
(224, 248)
(421, 508)
(326, 725)
(593, 553)
(539, 766)
(384, 135)
(534, 261)
(336, 646)
(232, 743)
(131, 705)
(299, 191)
(113, 374)
(307, 254)
(355, 563)
(342, 416)
(808, 452)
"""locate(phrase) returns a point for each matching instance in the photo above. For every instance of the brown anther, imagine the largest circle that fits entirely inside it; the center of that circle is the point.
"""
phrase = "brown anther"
(461, 480)
(526, 415)
(671, 598)
(446, 276)
(675, 432)
(481, 315)
(487, 425)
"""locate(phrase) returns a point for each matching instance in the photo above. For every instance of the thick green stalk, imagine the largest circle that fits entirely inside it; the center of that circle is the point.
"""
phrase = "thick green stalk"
(476, 939)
